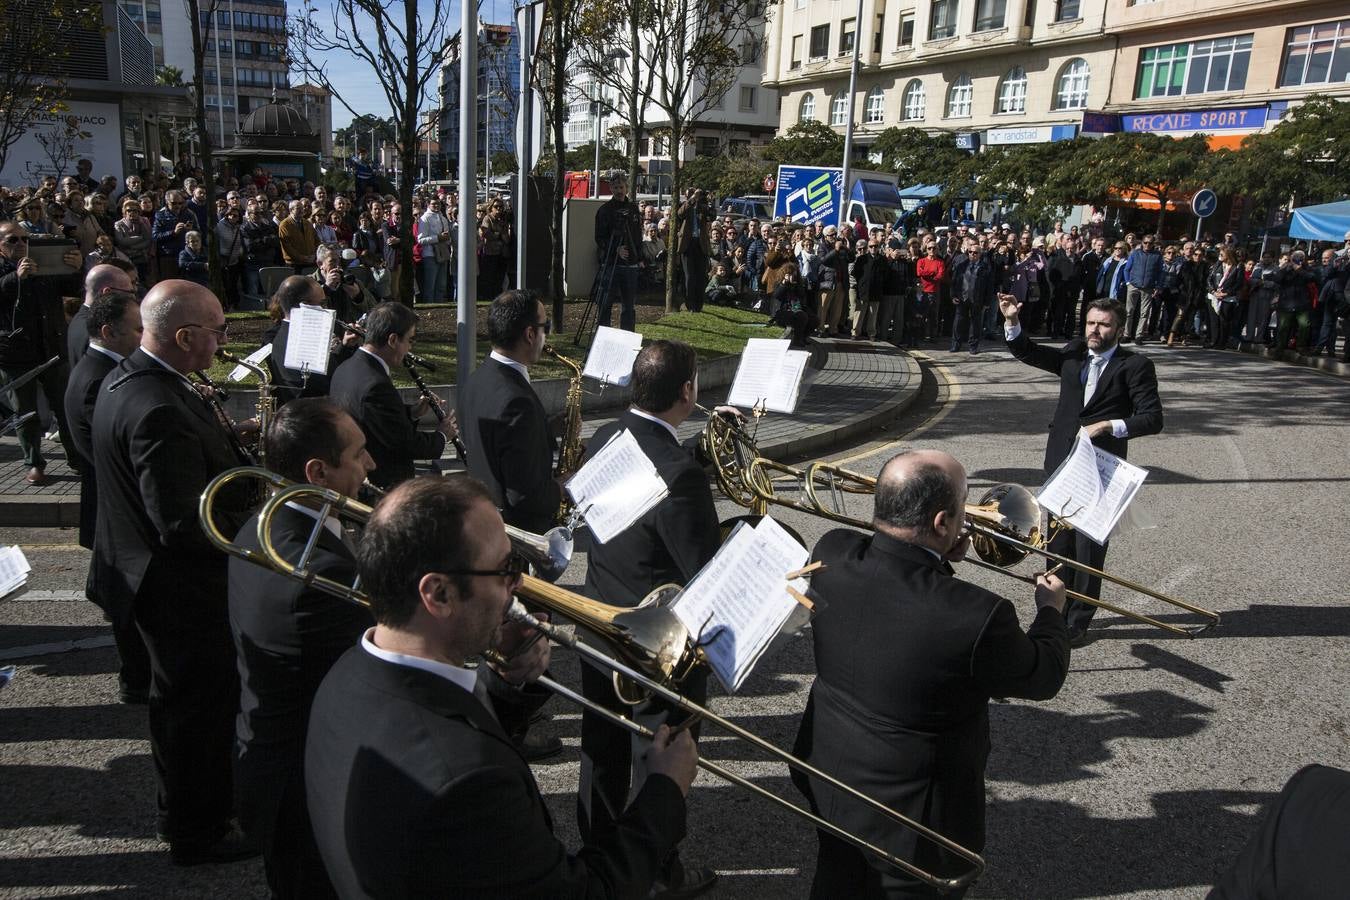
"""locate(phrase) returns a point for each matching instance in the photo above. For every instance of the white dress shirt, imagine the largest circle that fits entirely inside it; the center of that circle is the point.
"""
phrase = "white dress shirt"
(508, 361)
(1118, 428)
(643, 414)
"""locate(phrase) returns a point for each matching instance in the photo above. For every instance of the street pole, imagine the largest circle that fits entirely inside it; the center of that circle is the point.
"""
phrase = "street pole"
(595, 172)
(848, 125)
(466, 333)
(524, 135)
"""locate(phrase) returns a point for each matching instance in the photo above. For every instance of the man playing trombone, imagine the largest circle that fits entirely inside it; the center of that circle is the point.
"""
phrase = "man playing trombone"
(904, 677)
(414, 787)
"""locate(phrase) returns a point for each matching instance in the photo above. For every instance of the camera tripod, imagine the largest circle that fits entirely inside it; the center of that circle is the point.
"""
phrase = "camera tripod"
(603, 283)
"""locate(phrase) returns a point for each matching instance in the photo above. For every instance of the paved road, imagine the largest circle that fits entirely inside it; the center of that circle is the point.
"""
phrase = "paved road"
(1142, 779)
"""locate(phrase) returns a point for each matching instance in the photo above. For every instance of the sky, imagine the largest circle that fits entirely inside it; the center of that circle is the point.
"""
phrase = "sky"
(354, 80)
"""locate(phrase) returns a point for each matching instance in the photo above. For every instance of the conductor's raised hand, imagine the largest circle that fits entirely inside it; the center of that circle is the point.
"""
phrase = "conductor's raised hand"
(1010, 307)
(675, 756)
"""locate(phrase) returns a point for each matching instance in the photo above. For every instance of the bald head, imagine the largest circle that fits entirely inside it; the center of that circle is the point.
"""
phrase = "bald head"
(920, 497)
(103, 279)
(184, 324)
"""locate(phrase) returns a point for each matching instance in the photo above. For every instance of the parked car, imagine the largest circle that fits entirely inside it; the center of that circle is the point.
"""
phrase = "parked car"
(752, 206)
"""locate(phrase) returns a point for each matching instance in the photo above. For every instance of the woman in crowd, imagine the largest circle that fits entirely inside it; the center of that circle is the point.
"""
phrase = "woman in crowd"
(193, 263)
(1223, 284)
(494, 240)
(230, 246)
(1193, 287)
(131, 235)
(789, 304)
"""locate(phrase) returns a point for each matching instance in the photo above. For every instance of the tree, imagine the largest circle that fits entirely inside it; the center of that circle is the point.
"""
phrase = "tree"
(922, 158)
(358, 132)
(401, 45)
(609, 44)
(806, 144)
(169, 76)
(1138, 165)
(203, 18)
(504, 162)
(1034, 178)
(58, 142)
(35, 45)
(556, 43)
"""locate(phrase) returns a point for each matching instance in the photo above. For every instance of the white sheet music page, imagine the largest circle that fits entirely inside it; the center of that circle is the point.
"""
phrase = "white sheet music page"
(1092, 489)
(788, 389)
(239, 373)
(759, 373)
(738, 602)
(613, 351)
(311, 335)
(14, 569)
(616, 487)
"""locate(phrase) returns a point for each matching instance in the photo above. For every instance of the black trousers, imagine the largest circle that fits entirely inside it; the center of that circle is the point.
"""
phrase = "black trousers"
(291, 857)
(1080, 548)
(1062, 308)
(969, 323)
(695, 280)
(194, 692)
(842, 870)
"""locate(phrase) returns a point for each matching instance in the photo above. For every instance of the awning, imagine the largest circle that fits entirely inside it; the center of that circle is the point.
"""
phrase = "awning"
(1177, 200)
(871, 191)
(920, 192)
(1324, 222)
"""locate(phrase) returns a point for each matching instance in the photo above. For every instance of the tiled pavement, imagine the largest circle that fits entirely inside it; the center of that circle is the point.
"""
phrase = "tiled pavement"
(852, 388)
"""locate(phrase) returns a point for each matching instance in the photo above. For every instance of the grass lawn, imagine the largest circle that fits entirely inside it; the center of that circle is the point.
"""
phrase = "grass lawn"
(716, 331)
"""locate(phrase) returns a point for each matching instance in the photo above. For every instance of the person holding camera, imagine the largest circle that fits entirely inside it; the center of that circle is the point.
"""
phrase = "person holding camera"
(617, 238)
(695, 218)
(346, 296)
(1294, 302)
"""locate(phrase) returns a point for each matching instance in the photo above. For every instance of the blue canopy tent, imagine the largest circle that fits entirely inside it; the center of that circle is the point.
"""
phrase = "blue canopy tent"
(1324, 222)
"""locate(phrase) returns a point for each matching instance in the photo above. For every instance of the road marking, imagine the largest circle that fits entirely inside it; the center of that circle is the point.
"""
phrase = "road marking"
(32, 596)
(62, 547)
(953, 397)
(1241, 475)
(89, 643)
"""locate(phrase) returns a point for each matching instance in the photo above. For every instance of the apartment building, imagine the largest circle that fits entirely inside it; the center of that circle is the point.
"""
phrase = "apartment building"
(1023, 71)
(498, 94)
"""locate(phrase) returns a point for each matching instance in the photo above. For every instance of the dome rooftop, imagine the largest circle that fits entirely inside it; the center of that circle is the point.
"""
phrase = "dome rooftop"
(277, 126)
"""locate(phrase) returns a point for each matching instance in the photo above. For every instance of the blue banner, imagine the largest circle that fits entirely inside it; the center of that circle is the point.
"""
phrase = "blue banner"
(809, 194)
(1196, 121)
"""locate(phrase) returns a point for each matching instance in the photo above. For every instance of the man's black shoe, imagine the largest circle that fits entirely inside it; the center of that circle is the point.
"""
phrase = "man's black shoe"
(535, 746)
(684, 881)
(1078, 637)
(134, 696)
(233, 847)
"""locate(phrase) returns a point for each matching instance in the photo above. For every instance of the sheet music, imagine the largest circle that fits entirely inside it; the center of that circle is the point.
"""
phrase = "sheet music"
(1092, 489)
(738, 602)
(616, 487)
(311, 335)
(239, 373)
(14, 569)
(769, 375)
(611, 357)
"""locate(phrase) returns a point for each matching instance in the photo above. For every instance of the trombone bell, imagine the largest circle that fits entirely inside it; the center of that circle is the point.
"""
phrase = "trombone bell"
(550, 553)
(1009, 510)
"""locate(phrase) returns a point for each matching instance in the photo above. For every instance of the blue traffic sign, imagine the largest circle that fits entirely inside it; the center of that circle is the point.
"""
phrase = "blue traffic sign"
(1204, 203)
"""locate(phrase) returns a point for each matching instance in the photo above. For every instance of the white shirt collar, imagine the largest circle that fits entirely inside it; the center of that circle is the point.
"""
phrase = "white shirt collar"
(508, 361)
(1106, 357)
(333, 525)
(464, 678)
(111, 354)
(383, 365)
(642, 413)
(169, 367)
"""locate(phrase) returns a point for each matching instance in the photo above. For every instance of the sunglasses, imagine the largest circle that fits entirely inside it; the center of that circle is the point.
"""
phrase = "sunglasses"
(514, 566)
(16, 239)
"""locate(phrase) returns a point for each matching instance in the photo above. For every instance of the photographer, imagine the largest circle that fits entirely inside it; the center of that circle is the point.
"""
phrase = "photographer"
(617, 234)
(347, 297)
(1295, 301)
(695, 218)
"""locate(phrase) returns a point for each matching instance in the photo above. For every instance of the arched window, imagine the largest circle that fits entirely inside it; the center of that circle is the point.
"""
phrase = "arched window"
(1012, 93)
(806, 112)
(915, 101)
(958, 98)
(1071, 92)
(839, 109)
(876, 106)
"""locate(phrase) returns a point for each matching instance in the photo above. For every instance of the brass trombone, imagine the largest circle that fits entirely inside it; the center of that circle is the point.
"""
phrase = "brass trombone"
(1005, 528)
(657, 667)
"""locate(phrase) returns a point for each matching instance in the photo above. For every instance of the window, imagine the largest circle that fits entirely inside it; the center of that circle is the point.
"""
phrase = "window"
(1175, 70)
(799, 4)
(942, 23)
(820, 42)
(749, 51)
(912, 106)
(959, 97)
(747, 99)
(906, 35)
(1071, 92)
(1317, 54)
(707, 146)
(989, 14)
(839, 109)
(1066, 10)
(806, 111)
(874, 110)
(796, 62)
(847, 31)
(877, 35)
(1012, 93)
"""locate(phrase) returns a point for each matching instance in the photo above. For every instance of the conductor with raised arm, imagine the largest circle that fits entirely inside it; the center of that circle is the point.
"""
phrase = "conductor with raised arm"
(1111, 394)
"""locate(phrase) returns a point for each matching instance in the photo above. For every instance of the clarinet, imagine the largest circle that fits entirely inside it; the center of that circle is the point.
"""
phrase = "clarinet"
(435, 403)
(216, 396)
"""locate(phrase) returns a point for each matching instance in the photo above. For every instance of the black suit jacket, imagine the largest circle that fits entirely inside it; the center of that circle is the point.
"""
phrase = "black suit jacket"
(673, 539)
(77, 336)
(286, 637)
(907, 657)
(1127, 389)
(156, 446)
(361, 387)
(510, 445)
(415, 791)
(81, 392)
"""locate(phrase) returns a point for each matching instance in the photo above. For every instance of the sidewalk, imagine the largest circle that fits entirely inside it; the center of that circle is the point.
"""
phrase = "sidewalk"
(855, 387)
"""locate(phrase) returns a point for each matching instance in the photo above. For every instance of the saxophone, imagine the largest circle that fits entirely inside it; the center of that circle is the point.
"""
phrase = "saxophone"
(266, 407)
(570, 451)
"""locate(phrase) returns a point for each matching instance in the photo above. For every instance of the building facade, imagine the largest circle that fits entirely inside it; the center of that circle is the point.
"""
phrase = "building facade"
(316, 105)
(1018, 71)
(498, 95)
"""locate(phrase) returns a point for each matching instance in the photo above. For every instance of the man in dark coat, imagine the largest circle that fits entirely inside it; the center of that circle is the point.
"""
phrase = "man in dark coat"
(904, 678)
(414, 788)
(1107, 391)
(114, 323)
(100, 280)
(617, 238)
(972, 292)
(156, 446)
(288, 384)
(288, 635)
(364, 387)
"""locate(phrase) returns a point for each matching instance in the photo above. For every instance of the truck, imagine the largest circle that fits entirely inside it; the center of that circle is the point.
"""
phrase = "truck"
(810, 194)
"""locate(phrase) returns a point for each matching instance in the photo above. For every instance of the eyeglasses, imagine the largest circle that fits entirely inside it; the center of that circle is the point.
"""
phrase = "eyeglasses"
(513, 567)
(222, 333)
(17, 239)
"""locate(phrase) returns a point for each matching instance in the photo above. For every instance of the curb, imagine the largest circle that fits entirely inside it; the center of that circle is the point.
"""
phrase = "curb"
(1328, 364)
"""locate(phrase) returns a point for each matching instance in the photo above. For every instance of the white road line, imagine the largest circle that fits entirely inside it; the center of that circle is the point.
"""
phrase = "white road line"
(32, 596)
(953, 397)
(1241, 475)
(89, 643)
